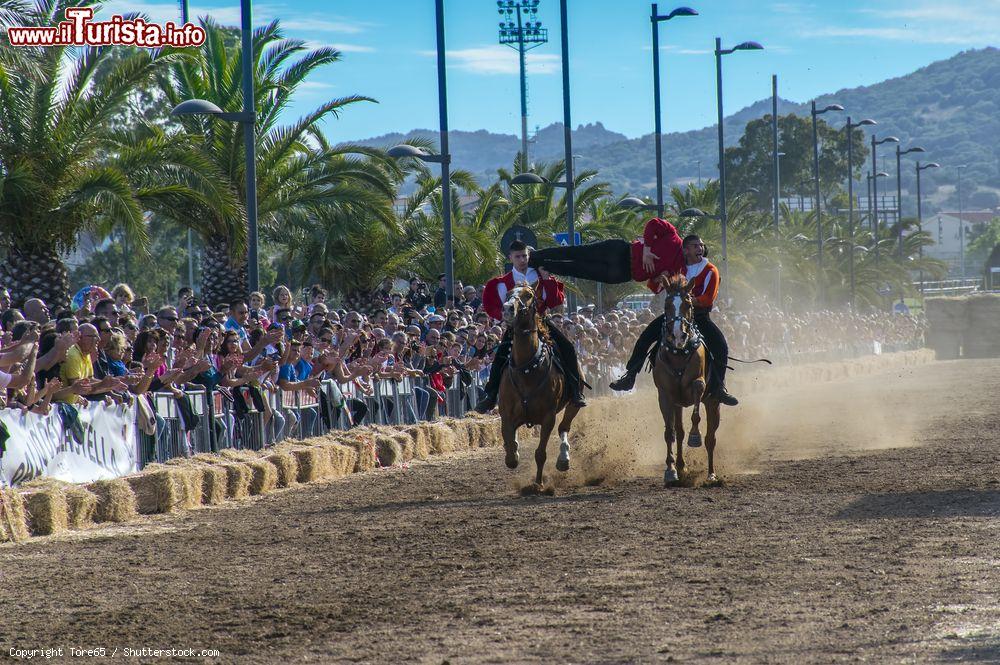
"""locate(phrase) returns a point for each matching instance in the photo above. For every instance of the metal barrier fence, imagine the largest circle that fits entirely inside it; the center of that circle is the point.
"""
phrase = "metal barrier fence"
(200, 421)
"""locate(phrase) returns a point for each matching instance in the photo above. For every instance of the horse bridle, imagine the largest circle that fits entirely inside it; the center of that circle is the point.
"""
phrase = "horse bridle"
(694, 339)
(542, 357)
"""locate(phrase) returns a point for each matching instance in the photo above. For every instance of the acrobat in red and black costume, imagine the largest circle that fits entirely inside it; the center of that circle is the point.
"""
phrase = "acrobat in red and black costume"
(659, 251)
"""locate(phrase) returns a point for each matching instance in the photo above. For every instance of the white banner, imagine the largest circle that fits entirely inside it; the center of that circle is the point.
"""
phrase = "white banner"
(100, 445)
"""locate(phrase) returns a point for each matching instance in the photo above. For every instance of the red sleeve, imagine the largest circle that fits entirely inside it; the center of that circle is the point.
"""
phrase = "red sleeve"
(491, 300)
(553, 294)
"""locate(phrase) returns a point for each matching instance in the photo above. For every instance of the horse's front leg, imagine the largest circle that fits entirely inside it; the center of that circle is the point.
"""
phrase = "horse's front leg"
(543, 440)
(712, 411)
(679, 432)
(569, 414)
(667, 410)
(508, 429)
(695, 393)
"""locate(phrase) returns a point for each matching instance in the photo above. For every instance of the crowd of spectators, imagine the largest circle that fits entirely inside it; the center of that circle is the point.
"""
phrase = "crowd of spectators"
(113, 349)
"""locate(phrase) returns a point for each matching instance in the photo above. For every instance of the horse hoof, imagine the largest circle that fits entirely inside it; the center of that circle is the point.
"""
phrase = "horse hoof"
(562, 464)
(694, 440)
(712, 478)
(512, 459)
(669, 477)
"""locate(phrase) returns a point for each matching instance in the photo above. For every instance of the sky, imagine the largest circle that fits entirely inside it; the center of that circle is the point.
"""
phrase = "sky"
(388, 49)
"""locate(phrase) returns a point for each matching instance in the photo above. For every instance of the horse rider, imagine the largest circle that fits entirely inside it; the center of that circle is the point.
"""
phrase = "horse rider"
(548, 294)
(705, 288)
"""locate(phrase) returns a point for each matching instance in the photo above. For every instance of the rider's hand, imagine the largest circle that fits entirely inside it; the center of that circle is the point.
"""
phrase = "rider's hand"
(648, 259)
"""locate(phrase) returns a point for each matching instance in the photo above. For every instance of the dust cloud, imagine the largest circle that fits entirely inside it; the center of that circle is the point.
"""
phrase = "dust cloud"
(785, 414)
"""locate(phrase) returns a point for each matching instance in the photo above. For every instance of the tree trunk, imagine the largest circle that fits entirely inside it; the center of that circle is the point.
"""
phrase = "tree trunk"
(221, 281)
(36, 273)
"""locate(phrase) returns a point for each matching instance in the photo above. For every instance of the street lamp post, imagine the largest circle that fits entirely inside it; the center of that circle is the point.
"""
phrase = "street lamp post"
(850, 193)
(522, 36)
(819, 218)
(777, 186)
(899, 194)
(920, 214)
(190, 242)
(875, 143)
(655, 18)
(776, 161)
(444, 159)
(961, 220)
(723, 218)
(567, 184)
(248, 118)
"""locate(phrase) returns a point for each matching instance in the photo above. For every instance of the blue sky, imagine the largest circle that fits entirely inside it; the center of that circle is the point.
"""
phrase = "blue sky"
(813, 47)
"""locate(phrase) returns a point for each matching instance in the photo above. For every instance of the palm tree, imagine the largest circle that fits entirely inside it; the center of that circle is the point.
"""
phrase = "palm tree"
(298, 172)
(64, 169)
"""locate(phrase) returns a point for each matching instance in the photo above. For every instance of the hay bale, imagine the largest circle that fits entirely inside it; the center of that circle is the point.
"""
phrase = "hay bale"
(286, 466)
(238, 479)
(388, 450)
(421, 442)
(345, 460)
(115, 500)
(166, 489)
(405, 445)
(489, 432)
(363, 444)
(13, 520)
(441, 437)
(81, 506)
(47, 510)
(313, 463)
(264, 477)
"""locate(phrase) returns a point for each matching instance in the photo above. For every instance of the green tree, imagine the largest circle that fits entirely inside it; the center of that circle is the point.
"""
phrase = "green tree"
(748, 164)
(65, 170)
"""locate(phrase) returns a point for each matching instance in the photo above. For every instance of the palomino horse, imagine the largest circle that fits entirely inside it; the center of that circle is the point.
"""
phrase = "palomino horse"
(532, 390)
(679, 372)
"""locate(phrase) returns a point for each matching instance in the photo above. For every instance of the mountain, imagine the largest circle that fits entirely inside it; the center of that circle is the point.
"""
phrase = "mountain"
(950, 107)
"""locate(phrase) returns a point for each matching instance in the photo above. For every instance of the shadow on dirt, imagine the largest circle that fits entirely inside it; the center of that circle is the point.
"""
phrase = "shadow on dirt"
(949, 503)
(979, 649)
(447, 504)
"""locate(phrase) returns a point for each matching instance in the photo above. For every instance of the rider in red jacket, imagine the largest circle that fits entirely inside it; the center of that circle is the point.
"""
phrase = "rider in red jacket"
(549, 294)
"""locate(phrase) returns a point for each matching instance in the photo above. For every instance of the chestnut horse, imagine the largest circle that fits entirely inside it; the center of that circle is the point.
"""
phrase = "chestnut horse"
(679, 372)
(532, 390)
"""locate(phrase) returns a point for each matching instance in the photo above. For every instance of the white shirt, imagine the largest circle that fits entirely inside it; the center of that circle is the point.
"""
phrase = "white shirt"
(695, 269)
(530, 276)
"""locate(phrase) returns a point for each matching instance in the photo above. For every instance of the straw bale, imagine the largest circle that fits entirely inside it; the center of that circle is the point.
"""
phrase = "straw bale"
(47, 510)
(405, 444)
(81, 506)
(115, 500)
(421, 442)
(238, 478)
(345, 459)
(165, 489)
(13, 519)
(489, 432)
(388, 450)
(211, 477)
(286, 466)
(442, 438)
(465, 432)
(363, 444)
(313, 463)
(265, 477)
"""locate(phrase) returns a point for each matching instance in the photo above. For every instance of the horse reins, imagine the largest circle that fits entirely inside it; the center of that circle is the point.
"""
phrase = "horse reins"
(694, 341)
(543, 356)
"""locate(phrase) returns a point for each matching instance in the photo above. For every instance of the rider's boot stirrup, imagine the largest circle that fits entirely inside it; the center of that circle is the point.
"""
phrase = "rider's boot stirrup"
(486, 404)
(725, 398)
(626, 382)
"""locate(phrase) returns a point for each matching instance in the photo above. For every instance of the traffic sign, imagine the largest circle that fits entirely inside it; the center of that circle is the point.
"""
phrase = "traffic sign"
(562, 239)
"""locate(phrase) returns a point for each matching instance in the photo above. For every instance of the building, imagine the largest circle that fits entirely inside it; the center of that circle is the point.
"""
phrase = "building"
(944, 230)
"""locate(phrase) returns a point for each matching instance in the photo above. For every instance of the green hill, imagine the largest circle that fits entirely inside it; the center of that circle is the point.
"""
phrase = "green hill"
(950, 107)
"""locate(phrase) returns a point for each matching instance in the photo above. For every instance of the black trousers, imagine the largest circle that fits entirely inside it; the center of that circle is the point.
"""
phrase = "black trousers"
(564, 347)
(608, 261)
(715, 343)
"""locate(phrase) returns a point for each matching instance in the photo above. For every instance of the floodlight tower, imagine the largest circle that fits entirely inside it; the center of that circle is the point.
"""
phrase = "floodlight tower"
(521, 30)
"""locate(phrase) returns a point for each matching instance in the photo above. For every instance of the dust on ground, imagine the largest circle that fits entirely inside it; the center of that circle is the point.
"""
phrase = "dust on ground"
(858, 521)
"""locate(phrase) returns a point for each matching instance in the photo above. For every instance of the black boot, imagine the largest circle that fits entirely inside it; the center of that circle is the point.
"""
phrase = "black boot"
(574, 388)
(487, 403)
(626, 382)
(724, 397)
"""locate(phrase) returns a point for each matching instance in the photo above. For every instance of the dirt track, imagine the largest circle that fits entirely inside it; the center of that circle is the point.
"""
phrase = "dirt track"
(845, 531)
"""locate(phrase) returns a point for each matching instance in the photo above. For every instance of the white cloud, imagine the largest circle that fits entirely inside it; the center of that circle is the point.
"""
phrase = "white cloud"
(313, 44)
(973, 23)
(498, 59)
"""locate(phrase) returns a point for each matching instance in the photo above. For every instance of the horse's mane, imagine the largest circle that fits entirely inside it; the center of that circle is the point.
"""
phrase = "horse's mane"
(671, 282)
